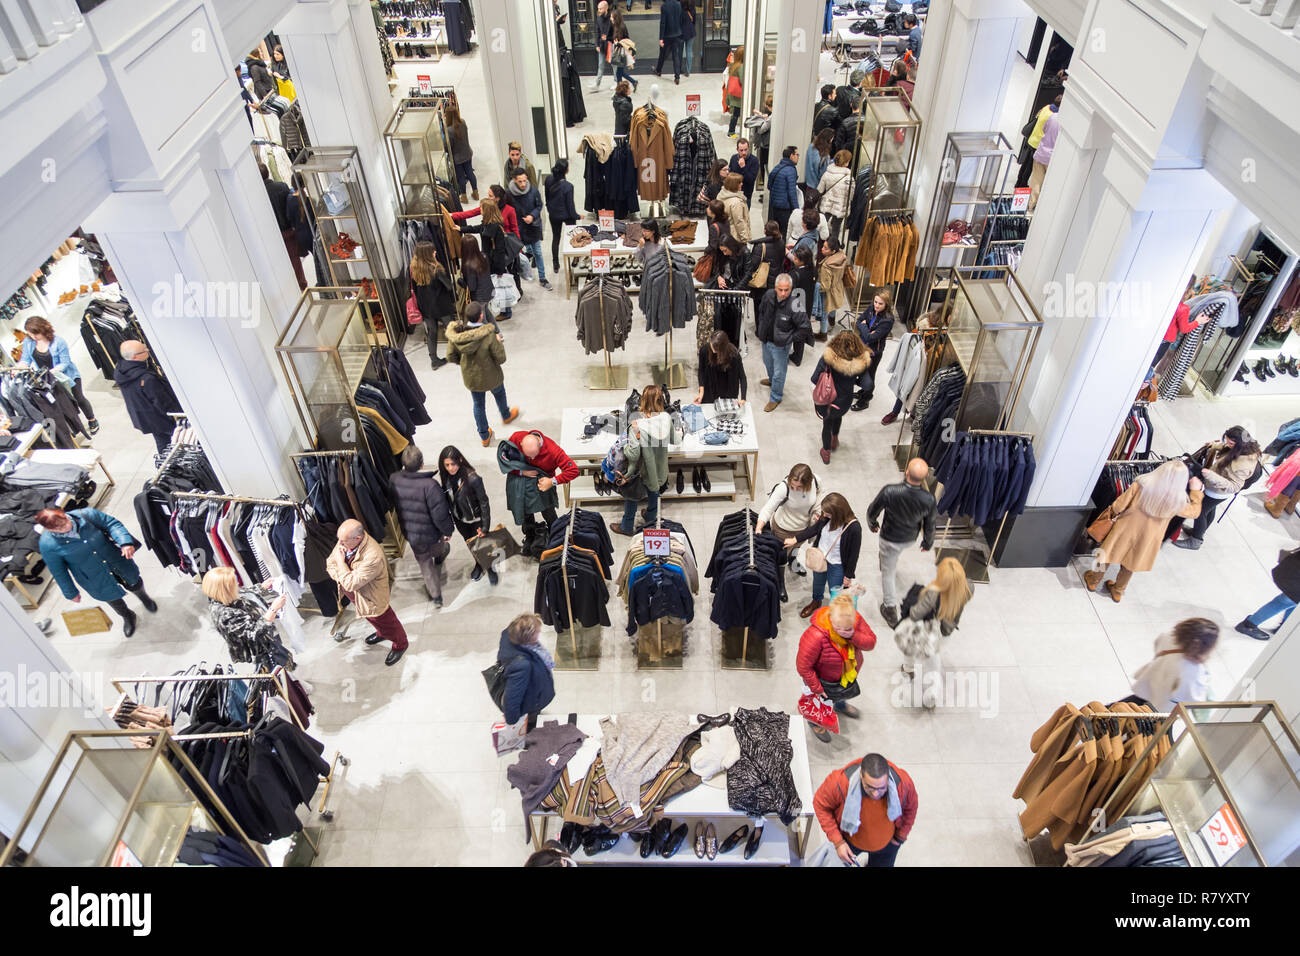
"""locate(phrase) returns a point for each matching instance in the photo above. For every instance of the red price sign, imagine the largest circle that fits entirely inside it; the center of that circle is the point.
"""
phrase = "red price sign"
(599, 260)
(1223, 835)
(426, 86)
(1020, 200)
(655, 542)
(692, 104)
(607, 220)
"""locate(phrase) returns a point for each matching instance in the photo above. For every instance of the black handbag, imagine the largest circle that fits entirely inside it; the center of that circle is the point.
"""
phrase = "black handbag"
(834, 691)
(495, 676)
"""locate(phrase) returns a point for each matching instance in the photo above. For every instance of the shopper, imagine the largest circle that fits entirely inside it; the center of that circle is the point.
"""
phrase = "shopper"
(809, 239)
(874, 326)
(647, 460)
(670, 38)
(722, 371)
(715, 221)
(830, 654)
(623, 49)
(278, 194)
(604, 37)
(783, 187)
(909, 510)
(43, 349)
(826, 114)
(839, 538)
(733, 200)
(1178, 673)
(867, 807)
(559, 207)
(746, 165)
(475, 344)
(435, 296)
(279, 65)
(529, 684)
(622, 102)
(1181, 324)
(688, 35)
(241, 622)
(1043, 153)
(830, 285)
(425, 518)
(818, 158)
(263, 82)
(358, 566)
(803, 273)
(148, 397)
(509, 218)
(781, 322)
(476, 274)
(848, 97)
(470, 509)
(914, 35)
(834, 190)
(462, 154)
(794, 232)
(931, 613)
(1141, 515)
(900, 76)
(845, 360)
(92, 549)
(1224, 467)
(528, 205)
(769, 250)
(515, 159)
(729, 269)
(791, 506)
(713, 184)
(733, 89)
(551, 466)
(1286, 575)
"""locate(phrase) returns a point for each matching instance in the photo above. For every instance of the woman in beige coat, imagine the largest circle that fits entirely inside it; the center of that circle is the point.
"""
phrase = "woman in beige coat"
(830, 278)
(733, 201)
(1142, 514)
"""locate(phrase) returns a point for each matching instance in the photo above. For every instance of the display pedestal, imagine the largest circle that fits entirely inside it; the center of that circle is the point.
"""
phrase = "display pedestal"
(578, 649)
(742, 649)
(607, 377)
(661, 644)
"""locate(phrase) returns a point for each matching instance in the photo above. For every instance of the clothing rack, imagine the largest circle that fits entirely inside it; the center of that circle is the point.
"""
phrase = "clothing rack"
(671, 374)
(283, 691)
(323, 454)
(749, 533)
(212, 496)
(564, 571)
(611, 377)
(964, 555)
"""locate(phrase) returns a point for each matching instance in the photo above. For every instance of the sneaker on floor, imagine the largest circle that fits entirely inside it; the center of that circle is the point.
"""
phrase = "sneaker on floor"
(1188, 543)
(437, 602)
(1250, 630)
(92, 426)
(546, 285)
(476, 573)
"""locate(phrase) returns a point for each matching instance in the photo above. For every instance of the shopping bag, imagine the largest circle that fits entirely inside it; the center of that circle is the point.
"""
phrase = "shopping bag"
(413, 315)
(525, 267)
(493, 548)
(507, 738)
(285, 88)
(820, 711)
(504, 294)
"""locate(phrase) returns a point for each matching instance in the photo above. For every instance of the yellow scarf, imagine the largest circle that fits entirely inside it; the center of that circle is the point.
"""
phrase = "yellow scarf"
(846, 651)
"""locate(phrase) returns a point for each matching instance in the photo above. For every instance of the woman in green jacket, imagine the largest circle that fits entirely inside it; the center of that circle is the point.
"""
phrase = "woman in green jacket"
(479, 349)
(647, 458)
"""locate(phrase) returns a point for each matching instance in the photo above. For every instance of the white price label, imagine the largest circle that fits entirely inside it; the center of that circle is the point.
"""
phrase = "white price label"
(607, 220)
(1020, 200)
(426, 86)
(599, 260)
(655, 542)
(692, 104)
(1221, 833)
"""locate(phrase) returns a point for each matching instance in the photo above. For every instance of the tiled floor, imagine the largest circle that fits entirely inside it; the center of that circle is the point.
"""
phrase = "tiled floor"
(424, 786)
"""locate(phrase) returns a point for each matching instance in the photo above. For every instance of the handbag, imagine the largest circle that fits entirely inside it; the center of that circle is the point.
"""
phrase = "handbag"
(1102, 525)
(703, 270)
(849, 278)
(285, 88)
(413, 314)
(495, 677)
(815, 558)
(759, 279)
(494, 547)
(733, 85)
(824, 390)
(820, 711)
(513, 245)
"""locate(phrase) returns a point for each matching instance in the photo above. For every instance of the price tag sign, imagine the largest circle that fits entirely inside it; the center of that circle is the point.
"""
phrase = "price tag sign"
(1222, 834)
(426, 87)
(607, 220)
(692, 104)
(122, 856)
(655, 541)
(599, 260)
(1020, 200)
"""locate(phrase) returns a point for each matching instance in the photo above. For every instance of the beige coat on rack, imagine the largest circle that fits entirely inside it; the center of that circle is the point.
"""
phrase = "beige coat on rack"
(652, 148)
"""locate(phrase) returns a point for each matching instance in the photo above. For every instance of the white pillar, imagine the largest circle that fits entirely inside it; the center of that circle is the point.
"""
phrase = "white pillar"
(503, 31)
(798, 57)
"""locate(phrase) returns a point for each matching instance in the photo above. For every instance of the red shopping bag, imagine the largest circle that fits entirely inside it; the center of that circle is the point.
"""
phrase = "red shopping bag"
(820, 711)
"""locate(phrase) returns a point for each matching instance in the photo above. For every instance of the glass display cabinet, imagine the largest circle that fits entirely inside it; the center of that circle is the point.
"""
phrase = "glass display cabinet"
(105, 802)
(419, 158)
(324, 352)
(1228, 785)
(335, 195)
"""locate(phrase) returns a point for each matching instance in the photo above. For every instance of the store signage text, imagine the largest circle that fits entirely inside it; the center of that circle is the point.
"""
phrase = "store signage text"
(133, 910)
(599, 260)
(179, 299)
(426, 87)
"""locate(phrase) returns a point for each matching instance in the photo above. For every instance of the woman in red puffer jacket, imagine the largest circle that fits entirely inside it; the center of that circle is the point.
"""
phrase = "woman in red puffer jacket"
(830, 653)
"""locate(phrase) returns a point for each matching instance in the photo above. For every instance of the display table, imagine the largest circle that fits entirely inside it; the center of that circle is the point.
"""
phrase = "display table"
(622, 259)
(709, 803)
(86, 458)
(588, 453)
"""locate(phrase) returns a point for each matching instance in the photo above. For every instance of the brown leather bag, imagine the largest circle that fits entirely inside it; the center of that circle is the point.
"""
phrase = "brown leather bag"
(1101, 527)
(849, 279)
(703, 270)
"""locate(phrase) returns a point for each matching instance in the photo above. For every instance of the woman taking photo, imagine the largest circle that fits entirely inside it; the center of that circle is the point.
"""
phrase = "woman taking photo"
(845, 359)
(792, 505)
(1225, 467)
(43, 349)
(830, 654)
(929, 614)
(471, 511)
(1178, 673)
(434, 295)
(1140, 516)
(647, 459)
(722, 372)
(839, 538)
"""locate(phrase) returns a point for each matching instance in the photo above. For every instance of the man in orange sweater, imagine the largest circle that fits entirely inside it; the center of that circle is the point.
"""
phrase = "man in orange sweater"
(867, 807)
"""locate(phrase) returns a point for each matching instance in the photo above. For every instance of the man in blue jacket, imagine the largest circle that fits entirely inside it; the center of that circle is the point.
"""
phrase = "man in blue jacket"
(783, 187)
(670, 38)
(528, 205)
(529, 684)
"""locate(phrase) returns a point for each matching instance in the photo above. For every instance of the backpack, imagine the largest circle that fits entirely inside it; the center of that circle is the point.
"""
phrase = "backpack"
(614, 464)
(495, 676)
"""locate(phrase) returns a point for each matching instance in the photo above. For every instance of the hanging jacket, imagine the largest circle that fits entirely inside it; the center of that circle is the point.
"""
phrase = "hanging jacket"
(423, 509)
(91, 556)
(830, 274)
(651, 139)
(693, 156)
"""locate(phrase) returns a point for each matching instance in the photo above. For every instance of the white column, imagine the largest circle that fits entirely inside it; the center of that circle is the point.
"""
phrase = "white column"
(798, 56)
(503, 33)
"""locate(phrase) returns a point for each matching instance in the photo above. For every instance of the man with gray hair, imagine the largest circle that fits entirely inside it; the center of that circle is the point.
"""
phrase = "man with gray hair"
(147, 395)
(782, 320)
(848, 97)
(425, 515)
(358, 566)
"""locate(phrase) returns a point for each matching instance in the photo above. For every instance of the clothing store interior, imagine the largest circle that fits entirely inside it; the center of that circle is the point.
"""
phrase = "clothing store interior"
(901, 494)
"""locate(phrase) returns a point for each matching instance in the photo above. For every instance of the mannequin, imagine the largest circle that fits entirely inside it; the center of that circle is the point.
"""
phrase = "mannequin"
(652, 107)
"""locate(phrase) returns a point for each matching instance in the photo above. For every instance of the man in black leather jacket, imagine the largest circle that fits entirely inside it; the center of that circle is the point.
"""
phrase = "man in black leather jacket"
(909, 510)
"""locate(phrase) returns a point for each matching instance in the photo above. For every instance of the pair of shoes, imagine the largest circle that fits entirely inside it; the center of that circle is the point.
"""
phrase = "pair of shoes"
(755, 838)
(1250, 630)
(849, 711)
(889, 419)
(681, 481)
(374, 639)
(545, 285)
(700, 480)
(437, 362)
(477, 573)
(93, 425)
(602, 484)
(890, 614)
(835, 442)
(771, 406)
(706, 841)
(820, 337)
(487, 441)
(1287, 363)
(514, 413)
(394, 656)
(597, 840)
(826, 456)
(128, 624)
(1188, 543)
(733, 839)
(1262, 370)
(810, 607)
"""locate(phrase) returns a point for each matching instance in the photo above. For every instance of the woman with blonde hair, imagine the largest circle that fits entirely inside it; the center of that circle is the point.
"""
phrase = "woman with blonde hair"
(1140, 516)
(930, 613)
(830, 654)
(435, 295)
(247, 630)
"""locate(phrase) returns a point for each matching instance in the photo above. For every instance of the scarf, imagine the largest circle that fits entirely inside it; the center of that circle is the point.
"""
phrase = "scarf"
(851, 815)
(845, 649)
(516, 191)
(543, 653)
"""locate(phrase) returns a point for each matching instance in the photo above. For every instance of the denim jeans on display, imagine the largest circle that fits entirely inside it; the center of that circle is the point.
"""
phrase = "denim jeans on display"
(480, 410)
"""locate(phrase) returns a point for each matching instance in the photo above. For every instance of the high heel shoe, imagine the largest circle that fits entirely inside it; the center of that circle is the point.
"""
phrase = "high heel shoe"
(695, 480)
(704, 480)
(681, 482)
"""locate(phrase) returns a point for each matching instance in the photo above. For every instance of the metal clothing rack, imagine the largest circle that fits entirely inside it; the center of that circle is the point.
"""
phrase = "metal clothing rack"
(610, 377)
(671, 374)
(659, 622)
(212, 496)
(283, 691)
(751, 566)
(701, 294)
